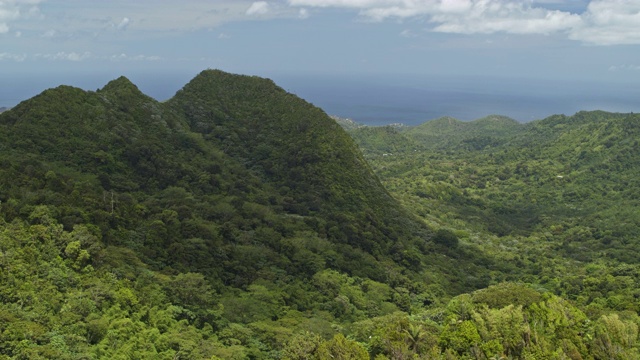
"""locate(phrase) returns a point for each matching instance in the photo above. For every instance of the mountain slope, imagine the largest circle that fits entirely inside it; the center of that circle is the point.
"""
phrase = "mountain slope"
(233, 178)
(234, 203)
(474, 135)
(562, 190)
(555, 200)
(383, 140)
(256, 147)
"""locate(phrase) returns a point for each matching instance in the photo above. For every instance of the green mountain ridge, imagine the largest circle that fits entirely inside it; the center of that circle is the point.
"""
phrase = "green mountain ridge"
(288, 157)
(574, 148)
(440, 133)
(480, 133)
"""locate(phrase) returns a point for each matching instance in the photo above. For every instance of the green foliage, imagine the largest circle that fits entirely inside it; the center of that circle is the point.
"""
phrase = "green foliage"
(302, 347)
(446, 237)
(449, 133)
(238, 221)
(554, 200)
(171, 229)
(342, 348)
(503, 294)
(615, 338)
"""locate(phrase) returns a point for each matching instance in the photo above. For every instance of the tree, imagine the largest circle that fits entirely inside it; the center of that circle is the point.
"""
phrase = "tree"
(341, 348)
(446, 237)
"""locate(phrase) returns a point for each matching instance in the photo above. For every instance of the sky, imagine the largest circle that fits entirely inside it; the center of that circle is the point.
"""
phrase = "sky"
(588, 48)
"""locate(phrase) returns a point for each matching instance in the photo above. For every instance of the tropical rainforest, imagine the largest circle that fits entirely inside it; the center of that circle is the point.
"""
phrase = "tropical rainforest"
(238, 221)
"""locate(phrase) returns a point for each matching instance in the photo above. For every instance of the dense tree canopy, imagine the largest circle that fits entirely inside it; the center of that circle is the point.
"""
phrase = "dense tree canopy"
(238, 221)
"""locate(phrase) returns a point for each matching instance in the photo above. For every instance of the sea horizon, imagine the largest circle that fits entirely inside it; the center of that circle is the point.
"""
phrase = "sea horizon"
(380, 100)
(414, 101)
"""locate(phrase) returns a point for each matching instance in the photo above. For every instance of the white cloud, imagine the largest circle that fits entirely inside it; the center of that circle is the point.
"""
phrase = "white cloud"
(14, 57)
(610, 22)
(258, 8)
(462, 16)
(72, 56)
(85, 17)
(604, 22)
(77, 56)
(624, 67)
(146, 58)
(49, 33)
(502, 16)
(7, 13)
(67, 56)
(11, 10)
(125, 57)
(407, 33)
(358, 4)
(123, 24)
(600, 22)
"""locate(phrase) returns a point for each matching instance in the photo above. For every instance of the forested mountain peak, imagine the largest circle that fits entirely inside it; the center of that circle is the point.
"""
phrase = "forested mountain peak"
(443, 123)
(57, 96)
(580, 117)
(225, 147)
(585, 127)
(233, 184)
(213, 80)
(298, 149)
(120, 83)
(124, 96)
(488, 131)
(496, 120)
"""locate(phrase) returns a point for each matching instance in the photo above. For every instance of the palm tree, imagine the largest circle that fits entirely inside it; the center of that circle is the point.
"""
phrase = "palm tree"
(415, 335)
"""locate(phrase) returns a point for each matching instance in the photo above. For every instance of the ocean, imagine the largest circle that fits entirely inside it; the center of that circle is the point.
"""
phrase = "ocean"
(414, 101)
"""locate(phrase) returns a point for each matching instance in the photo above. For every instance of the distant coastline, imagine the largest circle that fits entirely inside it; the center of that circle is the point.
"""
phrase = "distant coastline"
(381, 100)
(377, 102)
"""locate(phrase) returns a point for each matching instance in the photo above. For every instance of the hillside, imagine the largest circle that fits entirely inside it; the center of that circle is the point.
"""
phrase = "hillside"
(384, 140)
(234, 213)
(474, 135)
(556, 198)
(347, 124)
(297, 149)
(576, 168)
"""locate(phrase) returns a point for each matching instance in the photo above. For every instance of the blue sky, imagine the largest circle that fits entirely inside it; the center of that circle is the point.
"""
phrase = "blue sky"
(87, 42)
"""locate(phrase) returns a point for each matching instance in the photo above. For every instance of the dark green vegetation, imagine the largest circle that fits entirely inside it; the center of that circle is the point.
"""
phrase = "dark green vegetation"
(238, 221)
